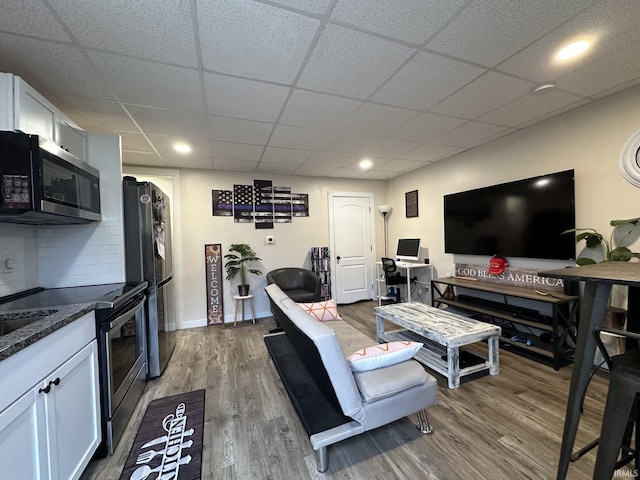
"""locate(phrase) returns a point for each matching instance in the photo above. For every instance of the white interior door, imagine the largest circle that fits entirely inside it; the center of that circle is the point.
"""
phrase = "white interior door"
(351, 243)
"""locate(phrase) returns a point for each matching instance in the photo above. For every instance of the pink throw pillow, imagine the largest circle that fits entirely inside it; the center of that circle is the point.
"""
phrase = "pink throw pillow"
(322, 311)
(382, 355)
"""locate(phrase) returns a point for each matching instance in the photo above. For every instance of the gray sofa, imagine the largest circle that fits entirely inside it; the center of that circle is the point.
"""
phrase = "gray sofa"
(332, 402)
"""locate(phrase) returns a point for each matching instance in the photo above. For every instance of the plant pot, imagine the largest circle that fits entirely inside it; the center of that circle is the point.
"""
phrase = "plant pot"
(614, 318)
(243, 290)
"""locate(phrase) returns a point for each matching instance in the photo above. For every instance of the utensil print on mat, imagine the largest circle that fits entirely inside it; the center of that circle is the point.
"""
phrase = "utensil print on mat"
(141, 473)
(145, 457)
(164, 438)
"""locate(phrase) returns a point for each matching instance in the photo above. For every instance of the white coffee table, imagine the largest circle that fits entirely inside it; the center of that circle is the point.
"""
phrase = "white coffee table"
(433, 327)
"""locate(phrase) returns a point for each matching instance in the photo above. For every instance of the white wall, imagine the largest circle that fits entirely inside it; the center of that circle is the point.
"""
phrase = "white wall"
(588, 140)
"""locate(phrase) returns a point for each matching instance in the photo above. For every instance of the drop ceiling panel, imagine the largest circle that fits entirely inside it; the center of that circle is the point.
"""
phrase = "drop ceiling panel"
(428, 152)
(311, 6)
(236, 151)
(317, 110)
(162, 32)
(252, 39)
(376, 120)
(191, 161)
(426, 127)
(284, 155)
(246, 99)
(347, 143)
(134, 142)
(276, 168)
(399, 165)
(170, 122)
(239, 131)
(142, 158)
(297, 137)
(234, 165)
(326, 159)
(409, 20)
(313, 170)
(39, 22)
(356, 71)
(390, 147)
(164, 145)
(489, 31)
(94, 115)
(150, 83)
(530, 107)
(484, 94)
(426, 80)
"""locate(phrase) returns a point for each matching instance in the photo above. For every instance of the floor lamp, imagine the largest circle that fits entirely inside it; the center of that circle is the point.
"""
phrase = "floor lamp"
(384, 209)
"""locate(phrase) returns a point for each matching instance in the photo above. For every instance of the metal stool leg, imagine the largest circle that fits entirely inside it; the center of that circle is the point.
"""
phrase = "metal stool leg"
(423, 422)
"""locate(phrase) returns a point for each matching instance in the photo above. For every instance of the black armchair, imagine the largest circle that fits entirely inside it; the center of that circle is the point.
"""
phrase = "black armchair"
(299, 284)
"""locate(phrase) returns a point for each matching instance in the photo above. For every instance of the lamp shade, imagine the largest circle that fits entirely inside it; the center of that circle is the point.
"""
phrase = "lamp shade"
(384, 209)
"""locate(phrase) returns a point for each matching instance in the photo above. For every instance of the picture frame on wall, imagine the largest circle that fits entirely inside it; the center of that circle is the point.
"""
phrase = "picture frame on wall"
(411, 204)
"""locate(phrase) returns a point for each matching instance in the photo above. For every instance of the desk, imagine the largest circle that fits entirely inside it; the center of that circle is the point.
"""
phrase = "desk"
(409, 267)
(598, 280)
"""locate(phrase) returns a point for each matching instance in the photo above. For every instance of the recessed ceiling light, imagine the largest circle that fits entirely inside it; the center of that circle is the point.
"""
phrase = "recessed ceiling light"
(544, 87)
(573, 50)
(365, 163)
(182, 148)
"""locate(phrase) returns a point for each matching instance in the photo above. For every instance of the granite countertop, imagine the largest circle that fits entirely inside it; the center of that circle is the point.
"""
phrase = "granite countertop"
(15, 341)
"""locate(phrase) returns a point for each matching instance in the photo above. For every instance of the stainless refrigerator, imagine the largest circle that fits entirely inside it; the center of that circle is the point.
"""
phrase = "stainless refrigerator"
(147, 232)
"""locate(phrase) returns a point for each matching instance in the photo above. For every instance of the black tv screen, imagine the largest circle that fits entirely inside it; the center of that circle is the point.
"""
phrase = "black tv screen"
(524, 218)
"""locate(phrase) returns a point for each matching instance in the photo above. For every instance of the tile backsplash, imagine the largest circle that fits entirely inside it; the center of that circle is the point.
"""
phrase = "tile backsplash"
(19, 242)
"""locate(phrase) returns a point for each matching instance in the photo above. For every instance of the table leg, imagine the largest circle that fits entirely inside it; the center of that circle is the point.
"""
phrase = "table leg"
(453, 366)
(379, 328)
(593, 305)
(494, 362)
(408, 284)
(253, 312)
(235, 316)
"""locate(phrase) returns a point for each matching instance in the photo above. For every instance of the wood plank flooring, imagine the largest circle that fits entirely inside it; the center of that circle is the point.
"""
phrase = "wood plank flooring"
(494, 427)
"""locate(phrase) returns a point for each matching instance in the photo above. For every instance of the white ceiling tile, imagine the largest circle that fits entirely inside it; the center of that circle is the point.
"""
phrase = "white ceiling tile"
(284, 155)
(427, 126)
(356, 71)
(317, 110)
(489, 31)
(610, 25)
(162, 32)
(51, 67)
(390, 147)
(134, 142)
(470, 133)
(296, 137)
(142, 158)
(313, 170)
(164, 145)
(400, 165)
(313, 6)
(234, 165)
(33, 18)
(426, 80)
(236, 151)
(345, 173)
(170, 122)
(251, 39)
(193, 161)
(604, 74)
(377, 120)
(347, 143)
(530, 107)
(276, 168)
(93, 114)
(377, 175)
(150, 83)
(408, 20)
(326, 159)
(484, 94)
(247, 99)
(429, 151)
(377, 163)
(239, 131)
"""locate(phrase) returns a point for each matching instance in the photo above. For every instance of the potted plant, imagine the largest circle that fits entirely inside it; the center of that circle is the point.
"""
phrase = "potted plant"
(613, 249)
(239, 263)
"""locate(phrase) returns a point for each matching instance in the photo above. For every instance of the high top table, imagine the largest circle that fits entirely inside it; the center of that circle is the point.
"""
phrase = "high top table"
(598, 279)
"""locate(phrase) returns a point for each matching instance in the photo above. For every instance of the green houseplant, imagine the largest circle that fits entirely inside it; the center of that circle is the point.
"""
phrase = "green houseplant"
(613, 249)
(240, 257)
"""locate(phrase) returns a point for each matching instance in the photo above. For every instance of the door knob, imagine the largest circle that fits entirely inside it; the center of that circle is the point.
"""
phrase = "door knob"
(338, 258)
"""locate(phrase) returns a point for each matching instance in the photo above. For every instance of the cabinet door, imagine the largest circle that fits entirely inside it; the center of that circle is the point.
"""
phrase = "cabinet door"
(72, 139)
(73, 413)
(23, 445)
(34, 113)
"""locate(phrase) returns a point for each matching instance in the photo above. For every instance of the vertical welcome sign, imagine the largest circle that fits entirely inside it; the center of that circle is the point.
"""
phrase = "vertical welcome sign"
(213, 271)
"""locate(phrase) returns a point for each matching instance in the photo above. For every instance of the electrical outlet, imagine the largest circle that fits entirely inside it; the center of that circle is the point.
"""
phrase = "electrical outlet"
(8, 263)
(269, 240)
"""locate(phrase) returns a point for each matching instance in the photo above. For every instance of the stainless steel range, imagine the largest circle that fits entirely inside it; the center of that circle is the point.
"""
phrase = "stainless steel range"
(121, 332)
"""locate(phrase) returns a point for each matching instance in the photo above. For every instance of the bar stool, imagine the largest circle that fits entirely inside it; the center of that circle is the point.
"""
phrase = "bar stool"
(242, 298)
(620, 409)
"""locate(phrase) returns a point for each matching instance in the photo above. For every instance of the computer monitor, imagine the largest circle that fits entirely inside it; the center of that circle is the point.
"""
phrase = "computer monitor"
(408, 249)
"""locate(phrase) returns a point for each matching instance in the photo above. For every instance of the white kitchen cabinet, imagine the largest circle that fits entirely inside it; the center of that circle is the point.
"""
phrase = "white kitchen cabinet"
(52, 429)
(71, 137)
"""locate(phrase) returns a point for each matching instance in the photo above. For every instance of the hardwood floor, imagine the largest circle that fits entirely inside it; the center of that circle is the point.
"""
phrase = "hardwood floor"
(500, 427)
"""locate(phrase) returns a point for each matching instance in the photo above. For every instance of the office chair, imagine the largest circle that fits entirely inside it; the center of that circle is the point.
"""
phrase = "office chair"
(392, 275)
(620, 412)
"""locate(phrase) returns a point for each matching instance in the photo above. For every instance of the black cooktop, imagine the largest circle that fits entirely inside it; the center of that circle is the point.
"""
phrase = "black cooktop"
(111, 294)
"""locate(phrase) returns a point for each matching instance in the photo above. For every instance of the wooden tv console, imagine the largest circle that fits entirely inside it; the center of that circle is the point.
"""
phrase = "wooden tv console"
(559, 328)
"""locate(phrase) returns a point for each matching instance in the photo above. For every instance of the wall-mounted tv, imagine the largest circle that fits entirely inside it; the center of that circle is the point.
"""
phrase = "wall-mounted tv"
(524, 218)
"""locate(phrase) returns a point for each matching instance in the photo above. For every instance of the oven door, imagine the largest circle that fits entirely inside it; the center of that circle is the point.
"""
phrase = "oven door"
(123, 339)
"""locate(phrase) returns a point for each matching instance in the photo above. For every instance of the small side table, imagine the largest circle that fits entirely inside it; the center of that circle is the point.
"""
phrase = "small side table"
(241, 299)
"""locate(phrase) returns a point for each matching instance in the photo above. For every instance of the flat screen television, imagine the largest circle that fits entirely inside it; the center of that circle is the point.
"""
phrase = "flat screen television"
(408, 249)
(524, 218)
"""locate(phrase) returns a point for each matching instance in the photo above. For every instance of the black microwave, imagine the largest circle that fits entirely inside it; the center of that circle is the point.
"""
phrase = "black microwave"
(42, 184)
